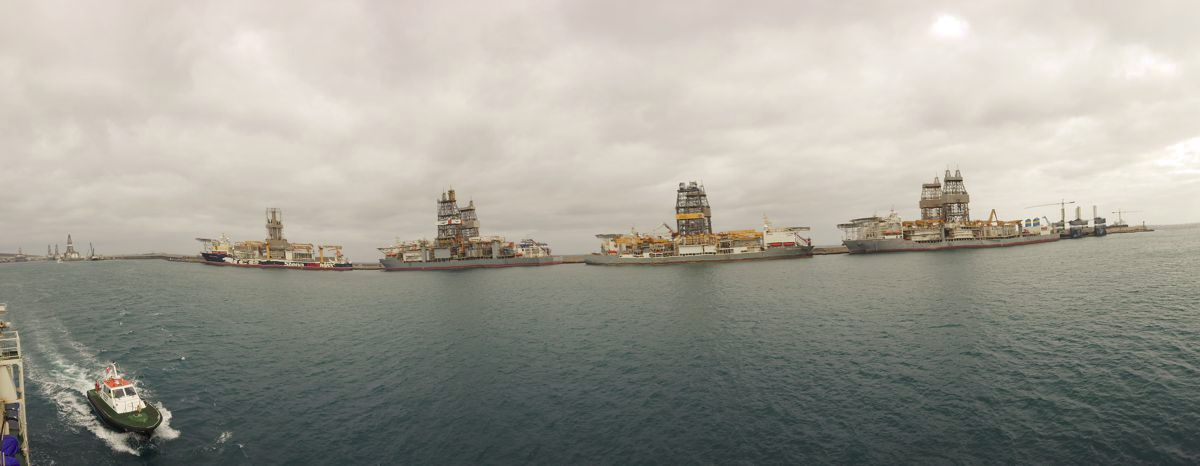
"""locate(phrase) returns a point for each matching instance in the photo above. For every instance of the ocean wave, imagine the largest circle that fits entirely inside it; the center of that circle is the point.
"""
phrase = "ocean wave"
(65, 381)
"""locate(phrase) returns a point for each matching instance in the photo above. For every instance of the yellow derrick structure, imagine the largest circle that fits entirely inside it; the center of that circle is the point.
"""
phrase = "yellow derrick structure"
(693, 234)
(336, 250)
(636, 240)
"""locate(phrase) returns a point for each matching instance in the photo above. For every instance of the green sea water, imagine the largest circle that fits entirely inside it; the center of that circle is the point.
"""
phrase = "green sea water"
(1076, 352)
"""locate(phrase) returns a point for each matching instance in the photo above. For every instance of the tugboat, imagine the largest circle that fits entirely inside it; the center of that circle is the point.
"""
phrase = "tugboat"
(116, 401)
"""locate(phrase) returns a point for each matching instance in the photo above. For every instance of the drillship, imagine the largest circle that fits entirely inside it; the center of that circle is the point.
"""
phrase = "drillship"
(694, 241)
(945, 224)
(459, 246)
(275, 252)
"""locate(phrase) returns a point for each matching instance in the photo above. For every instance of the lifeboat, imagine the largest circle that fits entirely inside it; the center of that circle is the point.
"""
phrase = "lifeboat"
(120, 405)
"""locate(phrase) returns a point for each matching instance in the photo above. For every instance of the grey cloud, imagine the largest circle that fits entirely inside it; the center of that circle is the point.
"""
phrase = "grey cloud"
(144, 124)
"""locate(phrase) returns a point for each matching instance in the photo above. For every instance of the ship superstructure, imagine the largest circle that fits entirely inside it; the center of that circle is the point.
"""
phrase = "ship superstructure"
(459, 245)
(15, 428)
(945, 224)
(693, 239)
(274, 252)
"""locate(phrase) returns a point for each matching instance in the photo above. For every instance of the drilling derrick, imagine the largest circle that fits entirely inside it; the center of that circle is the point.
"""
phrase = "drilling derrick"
(470, 223)
(692, 214)
(450, 222)
(931, 200)
(71, 253)
(955, 199)
(277, 246)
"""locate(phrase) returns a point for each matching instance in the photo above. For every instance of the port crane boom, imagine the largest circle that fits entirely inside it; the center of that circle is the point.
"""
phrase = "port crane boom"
(1119, 212)
(1063, 209)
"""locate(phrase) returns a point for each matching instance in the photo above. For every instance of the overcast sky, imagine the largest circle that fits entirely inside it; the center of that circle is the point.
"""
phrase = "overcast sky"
(138, 126)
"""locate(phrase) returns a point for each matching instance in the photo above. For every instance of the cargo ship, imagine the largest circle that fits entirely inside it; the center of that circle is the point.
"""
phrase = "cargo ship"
(275, 252)
(694, 241)
(945, 224)
(459, 245)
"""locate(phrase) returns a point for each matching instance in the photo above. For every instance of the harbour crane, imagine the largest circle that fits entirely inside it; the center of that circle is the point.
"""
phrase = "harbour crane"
(1062, 206)
(1121, 221)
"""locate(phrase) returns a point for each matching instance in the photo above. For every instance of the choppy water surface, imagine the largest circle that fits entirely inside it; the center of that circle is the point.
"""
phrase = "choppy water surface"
(1079, 352)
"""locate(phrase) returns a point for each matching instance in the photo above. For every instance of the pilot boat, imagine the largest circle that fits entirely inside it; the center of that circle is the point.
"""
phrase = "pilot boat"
(120, 405)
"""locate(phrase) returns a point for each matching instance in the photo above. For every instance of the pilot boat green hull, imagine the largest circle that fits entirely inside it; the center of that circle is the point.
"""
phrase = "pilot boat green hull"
(142, 421)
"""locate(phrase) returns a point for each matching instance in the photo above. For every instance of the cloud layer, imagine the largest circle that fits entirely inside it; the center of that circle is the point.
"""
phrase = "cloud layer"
(138, 126)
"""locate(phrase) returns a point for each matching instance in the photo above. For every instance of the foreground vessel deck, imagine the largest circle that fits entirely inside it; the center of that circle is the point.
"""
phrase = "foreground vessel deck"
(12, 391)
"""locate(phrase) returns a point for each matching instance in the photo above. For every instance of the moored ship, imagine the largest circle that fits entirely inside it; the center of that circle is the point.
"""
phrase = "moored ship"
(459, 245)
(694, 241)
(275, 252)
(945, 224)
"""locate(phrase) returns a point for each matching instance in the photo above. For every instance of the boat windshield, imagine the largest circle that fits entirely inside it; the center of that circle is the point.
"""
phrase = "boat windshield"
(123, 392)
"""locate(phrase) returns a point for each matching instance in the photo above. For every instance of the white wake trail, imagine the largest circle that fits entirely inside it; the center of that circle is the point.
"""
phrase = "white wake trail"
(66, 384)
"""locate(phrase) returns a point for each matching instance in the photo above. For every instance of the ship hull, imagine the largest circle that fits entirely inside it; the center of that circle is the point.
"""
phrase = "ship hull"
(901, 245)
(770, 254)
(214, 256)
(396, 265)
(282, 265)
(144, 421)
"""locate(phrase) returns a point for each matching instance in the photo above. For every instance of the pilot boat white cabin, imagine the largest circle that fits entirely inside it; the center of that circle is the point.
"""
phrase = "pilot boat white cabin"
(118, 392)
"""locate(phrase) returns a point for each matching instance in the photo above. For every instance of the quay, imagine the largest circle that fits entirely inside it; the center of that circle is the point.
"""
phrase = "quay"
(1127, 229)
